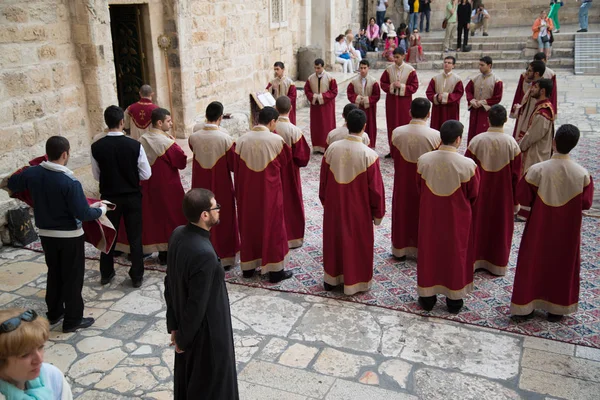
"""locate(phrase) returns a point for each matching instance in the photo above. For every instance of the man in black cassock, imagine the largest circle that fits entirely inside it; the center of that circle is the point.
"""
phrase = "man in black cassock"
(198, 314)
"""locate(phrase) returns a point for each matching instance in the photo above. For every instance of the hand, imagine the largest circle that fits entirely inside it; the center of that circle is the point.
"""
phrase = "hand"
(173, 343)
(517, 106)
(103, 208)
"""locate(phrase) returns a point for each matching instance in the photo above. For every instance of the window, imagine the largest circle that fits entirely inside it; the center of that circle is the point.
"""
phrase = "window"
(278, 13)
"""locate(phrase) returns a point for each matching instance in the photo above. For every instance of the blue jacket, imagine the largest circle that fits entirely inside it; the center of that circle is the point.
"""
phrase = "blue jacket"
(59, 203)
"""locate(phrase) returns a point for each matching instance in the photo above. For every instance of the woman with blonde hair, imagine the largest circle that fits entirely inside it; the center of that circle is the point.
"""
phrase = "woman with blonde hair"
(542, 32)
(23, 373)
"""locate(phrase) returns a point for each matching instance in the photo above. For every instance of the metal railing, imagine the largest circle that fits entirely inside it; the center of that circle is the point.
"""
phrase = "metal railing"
(587, 54)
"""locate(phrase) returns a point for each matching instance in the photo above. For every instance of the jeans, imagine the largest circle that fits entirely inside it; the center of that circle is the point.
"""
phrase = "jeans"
(541, 44)
(413, 21)
(380, 17)
(583, 15)
(424, 15)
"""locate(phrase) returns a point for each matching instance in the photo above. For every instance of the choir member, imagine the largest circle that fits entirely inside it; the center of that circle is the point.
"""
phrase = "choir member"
(364, 91)
(293, 205)
(523, 105)
(321, 90)
(498, 159)
(448, 184)
(483, 91)
(260, 159)
(409, 142)
(214, 154)
(352, 194)
(400, 82)
(342, 132)
(547, 274)
(282, 85)
(549, 74)
(445, 91)
(138, 115)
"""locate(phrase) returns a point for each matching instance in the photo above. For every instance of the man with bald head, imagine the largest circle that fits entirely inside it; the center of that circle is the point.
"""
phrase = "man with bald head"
(138, 116)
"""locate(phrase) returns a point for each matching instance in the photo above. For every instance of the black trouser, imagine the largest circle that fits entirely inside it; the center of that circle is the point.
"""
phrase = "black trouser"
(130, 208)
(65, 258)
(462, 28)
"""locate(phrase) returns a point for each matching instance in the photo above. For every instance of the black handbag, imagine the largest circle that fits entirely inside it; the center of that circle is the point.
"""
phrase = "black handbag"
(545, 38)
(21, 227)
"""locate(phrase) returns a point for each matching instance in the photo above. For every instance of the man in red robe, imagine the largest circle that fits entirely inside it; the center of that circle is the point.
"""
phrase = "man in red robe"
(261, 158)
(498, 157)
(290, 176)
(483, 91)
(445, 91)
(282, 85)
(549, 74)
(342, 132)
(448, 184)
(138, 115)
(409, 142)
(214, 155)
(547, 274)
(400, 82)
(321, 90)
(353, 198)
(365, 93)
(523, 105)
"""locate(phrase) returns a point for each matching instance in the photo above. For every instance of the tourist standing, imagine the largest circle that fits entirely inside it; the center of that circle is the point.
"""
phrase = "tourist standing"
(425, 15)
(483, 91)
(583, 15)
(321, 90)
(445, 91)
(283, 85)
(198, 313)
(364, 91)
(382, 5)
(451, 23)
(555, 6)
(463, 20)
(138, 115)
(413, 14)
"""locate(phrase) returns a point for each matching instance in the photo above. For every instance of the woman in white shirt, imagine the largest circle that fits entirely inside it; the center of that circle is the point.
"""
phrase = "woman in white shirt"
(342, 54)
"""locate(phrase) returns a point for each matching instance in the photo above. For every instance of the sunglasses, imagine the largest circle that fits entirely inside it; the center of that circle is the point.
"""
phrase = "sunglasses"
(11, 324)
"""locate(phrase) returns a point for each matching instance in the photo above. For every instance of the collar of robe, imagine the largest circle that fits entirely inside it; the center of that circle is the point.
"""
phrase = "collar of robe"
(559, 156)
(211, 127)
(197, 229)
(446, 147)
(259, 128)
(417, 122)
(158, 132)
(496, 129)
(354, 138)
(284, 119)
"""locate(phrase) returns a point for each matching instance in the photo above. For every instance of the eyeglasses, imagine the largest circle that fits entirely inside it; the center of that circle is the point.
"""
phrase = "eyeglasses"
(218, 207)
(11, 324)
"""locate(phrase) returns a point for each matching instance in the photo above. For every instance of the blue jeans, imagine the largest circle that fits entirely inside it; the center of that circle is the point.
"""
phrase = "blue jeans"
(380, 17)
(424, 15)
(413, 21)
(583, 15)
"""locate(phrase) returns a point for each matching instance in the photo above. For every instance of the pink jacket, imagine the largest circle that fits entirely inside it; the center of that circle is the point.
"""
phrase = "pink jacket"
(372, 32)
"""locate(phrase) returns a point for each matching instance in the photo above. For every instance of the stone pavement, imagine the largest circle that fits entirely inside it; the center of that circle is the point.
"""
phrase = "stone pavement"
(291, 346)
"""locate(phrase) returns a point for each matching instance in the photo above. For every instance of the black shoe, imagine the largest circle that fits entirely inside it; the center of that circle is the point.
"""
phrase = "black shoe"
(136, 283)
(276, 277)
(521, 318)
(248, 274)
(427, 303)
(227, 267)
(485, 34)
(388, 155)
(84, 323)
(162, 257)
(403, 258)
(554, 317)
(582, 30)
(56, 320)
(454, 306)
(328, 287)
(108, 279)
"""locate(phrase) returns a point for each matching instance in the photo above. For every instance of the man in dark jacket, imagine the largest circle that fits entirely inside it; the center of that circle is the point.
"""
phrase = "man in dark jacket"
(425, 14)
(198, 314)
(59, 207)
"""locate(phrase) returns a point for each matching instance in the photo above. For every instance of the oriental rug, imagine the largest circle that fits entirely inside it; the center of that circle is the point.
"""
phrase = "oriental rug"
(394, 282)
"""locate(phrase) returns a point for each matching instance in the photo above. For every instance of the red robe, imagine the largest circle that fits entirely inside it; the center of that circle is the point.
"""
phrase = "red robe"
(549, 74)
(214, 154)
(448, 184)
(138, 117)
(409, 142)
(290, 179)
(498, 157)
(487, 88)
(321, 96)
(351, 191)
(451, 88)
(366, 99)
(547, 274)
(398, 100)
(260, 160)
(285, 87)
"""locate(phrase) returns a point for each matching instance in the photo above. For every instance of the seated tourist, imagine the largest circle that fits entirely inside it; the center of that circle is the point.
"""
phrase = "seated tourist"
(390, 45)
(373, 35)
(342, 54)
(480, 19)
(415, 51)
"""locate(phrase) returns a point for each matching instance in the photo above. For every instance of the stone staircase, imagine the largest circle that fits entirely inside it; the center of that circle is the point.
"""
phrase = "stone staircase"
(587, 54)
(508, 52)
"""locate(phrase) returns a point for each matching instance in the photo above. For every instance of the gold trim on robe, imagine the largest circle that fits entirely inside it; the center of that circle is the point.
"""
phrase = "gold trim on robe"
(340, 154)
(439, 170)
(558, 180)
(415, 139)
(399, 74)
(348, 290)
(253, 153)
(405, 252)
(156, 143)
(280, 86)
(443, 290)
(444, 85)
(271, 267)
(549, 74)
(484, 86)
(288, 131)
(210, 144)
(489, 145)
(342, 133)
(363, 94)
(313, 80)
(525, 309)
(488, 266)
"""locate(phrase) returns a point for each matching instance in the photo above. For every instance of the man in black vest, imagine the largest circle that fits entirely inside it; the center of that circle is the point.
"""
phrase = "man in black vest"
(119, 163)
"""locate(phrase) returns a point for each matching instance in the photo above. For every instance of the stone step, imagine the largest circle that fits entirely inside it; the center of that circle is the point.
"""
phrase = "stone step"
(479, 46)
(525, 55)
(478, 39)
(554, 63)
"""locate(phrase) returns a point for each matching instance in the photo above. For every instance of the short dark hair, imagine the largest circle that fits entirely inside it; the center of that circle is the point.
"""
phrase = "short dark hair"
(547, 85)
(450, 58)
(214, 111)
(113, 115)
(364, 61)
(266, 115)
(450, 131)
(146, 90)
(566, 138)
(283, 104)
(399, 50)
(356, 121)
(319, 61)
(347, 108)
(497, 115)
(339, 37)
(487, 60)
(538, 66)
(541, 56)
(195, 202)
(419, 108)
(159, 114)
(279, 64)
(56, 146)
(387, 19)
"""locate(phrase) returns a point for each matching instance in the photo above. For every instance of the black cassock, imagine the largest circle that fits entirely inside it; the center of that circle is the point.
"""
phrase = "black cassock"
(198, 309)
